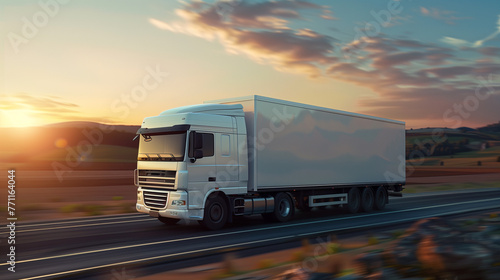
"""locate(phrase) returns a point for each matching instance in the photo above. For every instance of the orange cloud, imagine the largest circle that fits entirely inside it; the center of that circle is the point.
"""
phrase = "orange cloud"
(259, 31)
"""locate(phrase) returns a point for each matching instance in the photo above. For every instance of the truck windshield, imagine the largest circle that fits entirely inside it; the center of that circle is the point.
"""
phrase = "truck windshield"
(167, 147)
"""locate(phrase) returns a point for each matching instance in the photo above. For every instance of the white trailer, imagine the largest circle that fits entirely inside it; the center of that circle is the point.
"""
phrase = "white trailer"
(258, 155)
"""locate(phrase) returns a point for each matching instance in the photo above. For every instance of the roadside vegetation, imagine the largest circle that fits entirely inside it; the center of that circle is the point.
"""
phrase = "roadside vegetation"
(449, 187)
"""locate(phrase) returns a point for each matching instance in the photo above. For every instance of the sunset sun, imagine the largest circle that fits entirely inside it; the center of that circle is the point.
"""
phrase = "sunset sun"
(20, 118)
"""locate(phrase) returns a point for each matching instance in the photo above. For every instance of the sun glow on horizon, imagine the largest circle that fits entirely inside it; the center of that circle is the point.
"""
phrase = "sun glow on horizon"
(21, 118)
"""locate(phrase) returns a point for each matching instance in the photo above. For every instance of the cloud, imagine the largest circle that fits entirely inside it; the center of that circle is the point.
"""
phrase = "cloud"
(442, 15)
(449, 72)
(16, 109)
(456, 42)
(23, 101)
(438, 106)
(490, 51)
(259, 31)
(479, 43)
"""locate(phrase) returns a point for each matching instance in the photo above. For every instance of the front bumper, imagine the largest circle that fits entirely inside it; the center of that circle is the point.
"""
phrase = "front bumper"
(183, 214)
(172, 211)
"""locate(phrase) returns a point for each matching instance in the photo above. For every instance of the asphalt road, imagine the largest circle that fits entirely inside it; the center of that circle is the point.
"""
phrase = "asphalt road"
(102, 247)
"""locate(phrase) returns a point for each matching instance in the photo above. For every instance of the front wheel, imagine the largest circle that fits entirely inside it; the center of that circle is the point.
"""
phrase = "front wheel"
(215, 214)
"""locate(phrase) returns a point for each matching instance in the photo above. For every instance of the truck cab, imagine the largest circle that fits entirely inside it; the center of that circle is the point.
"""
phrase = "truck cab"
(188, 156)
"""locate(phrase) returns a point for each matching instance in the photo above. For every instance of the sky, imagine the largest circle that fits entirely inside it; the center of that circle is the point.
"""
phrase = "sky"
(427, 63)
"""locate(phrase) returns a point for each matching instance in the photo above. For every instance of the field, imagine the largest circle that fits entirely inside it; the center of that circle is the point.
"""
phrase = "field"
(489, 157)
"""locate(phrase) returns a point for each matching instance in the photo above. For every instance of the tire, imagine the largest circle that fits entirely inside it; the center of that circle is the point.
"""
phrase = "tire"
(283, 208)
(215, 214)
(354, 201)
(168, 221)
(380, 198)
(367, 200)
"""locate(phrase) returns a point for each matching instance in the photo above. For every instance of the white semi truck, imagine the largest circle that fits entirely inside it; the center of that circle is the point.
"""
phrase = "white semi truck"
(258, 155)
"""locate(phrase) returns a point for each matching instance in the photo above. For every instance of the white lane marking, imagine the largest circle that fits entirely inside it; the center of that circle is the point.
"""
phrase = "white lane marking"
(244, 231)
(86, 225)
(82, 219)
(253, 242)
(154, 258)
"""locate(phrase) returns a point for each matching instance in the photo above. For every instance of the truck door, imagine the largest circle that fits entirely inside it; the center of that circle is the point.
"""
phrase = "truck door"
(227, 161)
(201, 172)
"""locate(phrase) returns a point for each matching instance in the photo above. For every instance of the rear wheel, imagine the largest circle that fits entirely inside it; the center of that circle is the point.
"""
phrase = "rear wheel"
(215, 214)
(380, 198)
(168, 221)
(283, 208)
(353, 200)
(367, 200)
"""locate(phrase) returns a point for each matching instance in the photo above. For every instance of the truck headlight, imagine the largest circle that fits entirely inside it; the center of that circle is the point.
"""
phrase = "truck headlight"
(178, 202)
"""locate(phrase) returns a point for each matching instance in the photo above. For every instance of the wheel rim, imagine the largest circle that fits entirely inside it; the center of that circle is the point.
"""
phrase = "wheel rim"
(216, 213)
(284, 208)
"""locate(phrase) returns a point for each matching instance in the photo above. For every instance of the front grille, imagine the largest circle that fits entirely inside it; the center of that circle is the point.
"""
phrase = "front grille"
(163, 179)
(155, 198)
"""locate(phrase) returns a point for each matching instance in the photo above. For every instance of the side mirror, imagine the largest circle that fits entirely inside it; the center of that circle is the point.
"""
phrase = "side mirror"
(197, 154)
(196, 140)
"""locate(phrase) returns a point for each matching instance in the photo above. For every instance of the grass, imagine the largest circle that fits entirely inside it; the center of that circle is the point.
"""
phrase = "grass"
(448, 187)
(33, 207)
(332, 248)
(372, 240)
(126, 207)
(265, 263)
(88, 209)
(397, 233)
(71, 208)
(488, 157)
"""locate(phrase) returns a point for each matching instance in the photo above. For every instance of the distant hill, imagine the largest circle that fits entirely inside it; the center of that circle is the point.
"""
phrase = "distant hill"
(81, 124)
(495, 128)
(433, 142)
(102, 146)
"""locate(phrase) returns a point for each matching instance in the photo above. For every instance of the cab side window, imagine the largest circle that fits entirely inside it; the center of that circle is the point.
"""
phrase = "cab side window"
(208, 144)
(201, 141)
